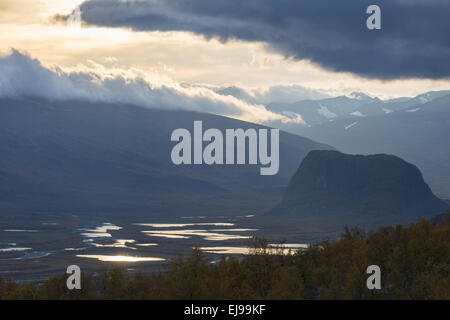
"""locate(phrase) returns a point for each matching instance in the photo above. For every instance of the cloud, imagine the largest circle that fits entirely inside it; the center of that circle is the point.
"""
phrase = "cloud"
(287, 94)
(20, 11)
(413, 42)
(278, 93)
(24, 76)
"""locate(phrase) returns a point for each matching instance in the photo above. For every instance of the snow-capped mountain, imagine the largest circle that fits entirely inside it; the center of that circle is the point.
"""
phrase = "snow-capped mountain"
(315, 112)
(353, 106)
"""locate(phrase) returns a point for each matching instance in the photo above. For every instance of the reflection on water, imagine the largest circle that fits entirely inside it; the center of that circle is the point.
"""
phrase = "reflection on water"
(96, 235)
(291, 245)
(106, 258)
(14, 249)
(172, 231)
(234, 230)
(278, 248)
(25, 256)
(34, 255)
(225, 250)
(184, 225)
(100, 242)
(100, 231)
(186, 233)
(119, 243)
(74, 249)
(168, 236)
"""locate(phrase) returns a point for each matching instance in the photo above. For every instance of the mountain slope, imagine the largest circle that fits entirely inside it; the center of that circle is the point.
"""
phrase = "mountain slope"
(371, 190)
(315, 112)
(97, 158)
(355, 106)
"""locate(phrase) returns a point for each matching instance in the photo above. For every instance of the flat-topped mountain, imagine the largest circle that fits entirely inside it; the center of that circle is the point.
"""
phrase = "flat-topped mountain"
(354, 188)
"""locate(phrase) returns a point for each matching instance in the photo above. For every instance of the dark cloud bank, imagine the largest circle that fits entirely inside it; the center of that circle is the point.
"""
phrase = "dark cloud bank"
(414, 41)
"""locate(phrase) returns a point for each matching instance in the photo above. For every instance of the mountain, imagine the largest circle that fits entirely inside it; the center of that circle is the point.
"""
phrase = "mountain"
(355, 106)
(81, 157)
(315, 112)
(417, 133)
(355, 189)
(404, 103)
(280, 94)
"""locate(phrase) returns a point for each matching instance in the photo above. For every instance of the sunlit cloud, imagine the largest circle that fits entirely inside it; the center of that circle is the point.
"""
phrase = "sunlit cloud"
(183, 57)
(111, 258)
(24, 76)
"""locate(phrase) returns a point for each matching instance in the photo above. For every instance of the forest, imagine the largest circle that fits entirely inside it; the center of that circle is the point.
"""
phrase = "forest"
(414, 263)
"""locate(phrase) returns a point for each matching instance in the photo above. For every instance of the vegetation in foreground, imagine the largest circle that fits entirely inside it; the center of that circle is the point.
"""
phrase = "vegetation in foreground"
(414, 262)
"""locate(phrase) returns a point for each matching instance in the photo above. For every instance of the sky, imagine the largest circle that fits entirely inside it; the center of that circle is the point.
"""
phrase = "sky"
(303, 48)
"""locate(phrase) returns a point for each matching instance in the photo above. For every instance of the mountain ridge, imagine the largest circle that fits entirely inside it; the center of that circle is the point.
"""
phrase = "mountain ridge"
(88, 157)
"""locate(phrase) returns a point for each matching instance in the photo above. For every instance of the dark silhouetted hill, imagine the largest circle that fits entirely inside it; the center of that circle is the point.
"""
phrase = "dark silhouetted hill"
(351, 189)
(417, 131)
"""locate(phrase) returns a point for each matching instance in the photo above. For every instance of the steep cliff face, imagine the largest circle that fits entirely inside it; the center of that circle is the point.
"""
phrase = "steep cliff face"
(340, 186)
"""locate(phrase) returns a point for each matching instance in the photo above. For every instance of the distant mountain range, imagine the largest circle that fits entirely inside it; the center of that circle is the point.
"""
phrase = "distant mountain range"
(347, 189)
(415, 129)
(82, 157)
(355, 106)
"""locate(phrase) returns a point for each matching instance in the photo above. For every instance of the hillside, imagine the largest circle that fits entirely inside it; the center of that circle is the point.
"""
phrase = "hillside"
(348, 189)
(81, 157)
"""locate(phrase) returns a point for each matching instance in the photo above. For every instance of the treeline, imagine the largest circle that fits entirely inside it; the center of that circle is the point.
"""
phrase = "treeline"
(414, 262)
